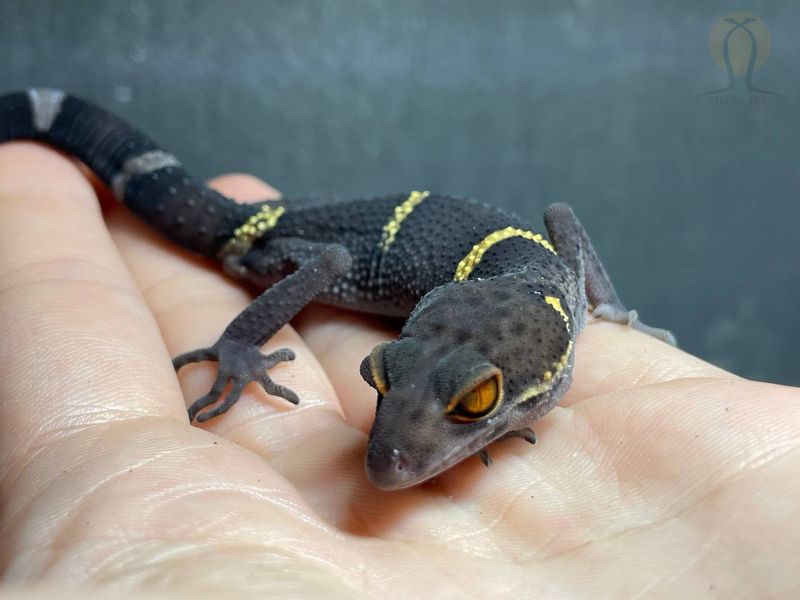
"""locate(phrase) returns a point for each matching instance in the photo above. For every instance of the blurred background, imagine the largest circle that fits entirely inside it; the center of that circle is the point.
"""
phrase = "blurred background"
(690, 199)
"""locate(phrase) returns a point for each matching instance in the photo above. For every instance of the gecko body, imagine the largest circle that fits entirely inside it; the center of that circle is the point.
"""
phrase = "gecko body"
(492, 307)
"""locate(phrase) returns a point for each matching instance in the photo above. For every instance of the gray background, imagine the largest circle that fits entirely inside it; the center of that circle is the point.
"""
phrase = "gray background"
(693, 205)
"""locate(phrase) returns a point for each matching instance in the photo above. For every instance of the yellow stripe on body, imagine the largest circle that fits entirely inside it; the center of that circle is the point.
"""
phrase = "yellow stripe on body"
(471, 260)
(401, 212)
(549, 378)
(252, 229)
(556, 304)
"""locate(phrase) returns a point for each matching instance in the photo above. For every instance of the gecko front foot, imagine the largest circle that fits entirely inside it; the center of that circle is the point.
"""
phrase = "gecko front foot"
(616, 314)
(240, 364)
(525, 433)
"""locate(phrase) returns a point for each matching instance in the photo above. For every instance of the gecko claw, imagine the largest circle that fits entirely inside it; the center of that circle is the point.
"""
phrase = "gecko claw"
(526, 433)
(238, 364)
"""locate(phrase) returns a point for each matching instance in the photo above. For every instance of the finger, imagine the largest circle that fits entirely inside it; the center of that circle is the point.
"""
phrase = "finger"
(610, 357)
(86, 473)
(79, 345)
(340, 339)
(194, 302)
(244, 187)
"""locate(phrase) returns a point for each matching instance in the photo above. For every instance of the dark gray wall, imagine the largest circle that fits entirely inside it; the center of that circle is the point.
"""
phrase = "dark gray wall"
(693, 204)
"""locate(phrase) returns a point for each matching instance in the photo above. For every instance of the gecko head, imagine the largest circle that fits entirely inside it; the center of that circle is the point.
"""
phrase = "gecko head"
(462, 374)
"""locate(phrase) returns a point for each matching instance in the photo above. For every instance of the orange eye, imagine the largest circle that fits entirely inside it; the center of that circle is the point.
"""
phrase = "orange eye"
(477, 402)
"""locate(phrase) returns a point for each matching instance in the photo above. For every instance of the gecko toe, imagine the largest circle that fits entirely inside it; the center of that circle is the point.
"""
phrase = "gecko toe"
(199, 355)
(275, 389)
(279, 356)
(232, 398)
(617, 314)
(209, 399)
(526, 433)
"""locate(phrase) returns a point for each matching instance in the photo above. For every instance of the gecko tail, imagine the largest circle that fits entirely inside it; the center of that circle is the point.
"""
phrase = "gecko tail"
(150, 181)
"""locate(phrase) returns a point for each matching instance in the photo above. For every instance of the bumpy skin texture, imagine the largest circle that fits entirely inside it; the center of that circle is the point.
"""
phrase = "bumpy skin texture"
(493, 308)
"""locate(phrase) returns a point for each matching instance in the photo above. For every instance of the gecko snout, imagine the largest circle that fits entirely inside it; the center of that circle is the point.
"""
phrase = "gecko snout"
(388, 468)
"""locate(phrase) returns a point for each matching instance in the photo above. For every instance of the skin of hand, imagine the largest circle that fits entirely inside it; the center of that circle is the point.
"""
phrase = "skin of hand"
(658, 475)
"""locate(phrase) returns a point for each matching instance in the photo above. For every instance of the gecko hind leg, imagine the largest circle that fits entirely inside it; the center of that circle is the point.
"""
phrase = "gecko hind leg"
(574, 246)
(238, 350)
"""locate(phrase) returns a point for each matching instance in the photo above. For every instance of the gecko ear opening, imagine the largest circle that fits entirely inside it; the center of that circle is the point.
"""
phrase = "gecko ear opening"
(373, 369)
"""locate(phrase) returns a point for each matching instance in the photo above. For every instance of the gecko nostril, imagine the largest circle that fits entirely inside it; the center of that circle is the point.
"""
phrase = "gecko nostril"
(388, 467)
(399, 459)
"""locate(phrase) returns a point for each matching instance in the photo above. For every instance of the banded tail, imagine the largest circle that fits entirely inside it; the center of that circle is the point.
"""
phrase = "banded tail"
(151, 182)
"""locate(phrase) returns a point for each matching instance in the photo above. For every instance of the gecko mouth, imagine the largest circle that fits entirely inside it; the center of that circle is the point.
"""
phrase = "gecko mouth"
(390, 468)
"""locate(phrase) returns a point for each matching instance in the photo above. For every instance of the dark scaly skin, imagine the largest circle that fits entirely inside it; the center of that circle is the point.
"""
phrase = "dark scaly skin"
(487, 299)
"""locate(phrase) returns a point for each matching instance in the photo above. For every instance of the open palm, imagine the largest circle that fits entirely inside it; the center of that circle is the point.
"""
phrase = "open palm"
(658, 474)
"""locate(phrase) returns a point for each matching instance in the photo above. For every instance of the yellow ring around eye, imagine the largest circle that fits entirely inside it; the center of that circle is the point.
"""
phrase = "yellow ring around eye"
(479, 401)
(376, 370)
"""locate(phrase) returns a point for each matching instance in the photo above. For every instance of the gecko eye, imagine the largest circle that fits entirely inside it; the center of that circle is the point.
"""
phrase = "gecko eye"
(373, 369)
(477, 402)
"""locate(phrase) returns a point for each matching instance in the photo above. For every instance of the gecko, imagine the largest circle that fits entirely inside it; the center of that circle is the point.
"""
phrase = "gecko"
(492, 308)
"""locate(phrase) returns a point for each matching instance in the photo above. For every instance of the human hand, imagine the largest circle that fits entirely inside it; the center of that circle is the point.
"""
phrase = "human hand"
(657, 475)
